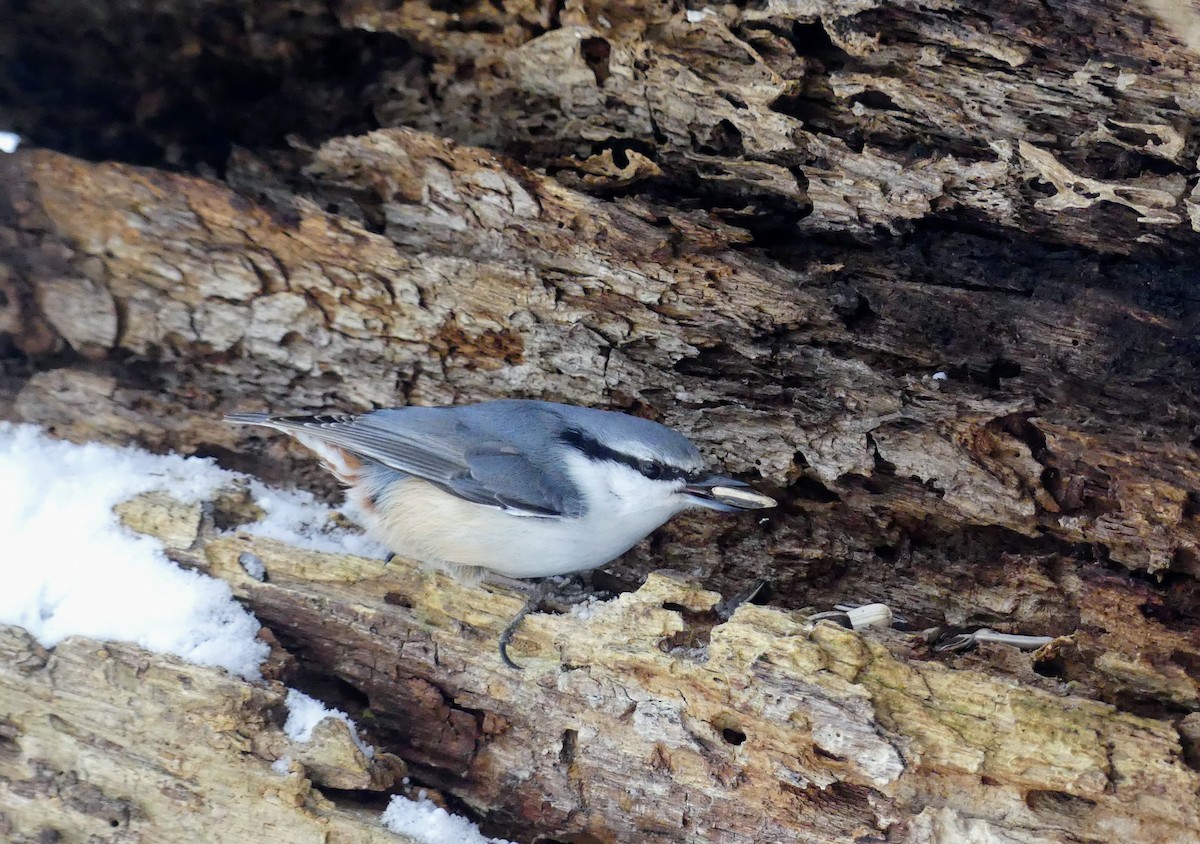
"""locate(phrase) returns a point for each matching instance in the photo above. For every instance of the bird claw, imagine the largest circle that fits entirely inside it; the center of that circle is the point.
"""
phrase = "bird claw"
(533, 599)
(505, 638)
(557, 593)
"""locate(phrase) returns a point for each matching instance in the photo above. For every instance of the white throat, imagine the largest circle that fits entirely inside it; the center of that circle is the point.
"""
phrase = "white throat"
(619, 498)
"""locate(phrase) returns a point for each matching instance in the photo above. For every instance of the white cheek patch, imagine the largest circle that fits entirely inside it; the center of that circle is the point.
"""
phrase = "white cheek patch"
(615, 488)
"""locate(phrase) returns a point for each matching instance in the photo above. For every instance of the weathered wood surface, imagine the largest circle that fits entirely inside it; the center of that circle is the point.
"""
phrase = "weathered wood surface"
(768, 226)
(105, 742)
(645, 720)
(896, 484)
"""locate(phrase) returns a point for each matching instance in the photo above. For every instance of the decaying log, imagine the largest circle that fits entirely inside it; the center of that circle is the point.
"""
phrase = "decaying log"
(644, 720)
(312, 311)
(898, 487)
(105, 742)
(925, 272)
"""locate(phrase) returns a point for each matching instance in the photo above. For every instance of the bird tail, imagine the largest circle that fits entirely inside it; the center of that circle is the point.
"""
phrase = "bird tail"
(291, 423)
(249, 419)
(345, 465)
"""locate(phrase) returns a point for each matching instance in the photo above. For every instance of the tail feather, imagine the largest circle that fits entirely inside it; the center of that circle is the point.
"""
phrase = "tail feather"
(289, 423)
(345, 465)
(248, 418)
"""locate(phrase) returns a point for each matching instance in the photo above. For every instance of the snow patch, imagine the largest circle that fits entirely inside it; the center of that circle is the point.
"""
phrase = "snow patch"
(69, 567)
(426, 822)
(253, 565)
(296, 517)
(588, 608)
(304, 713)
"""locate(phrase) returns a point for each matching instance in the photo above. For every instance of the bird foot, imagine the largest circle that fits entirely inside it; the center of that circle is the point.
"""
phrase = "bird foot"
(533, 600)
(558, 593)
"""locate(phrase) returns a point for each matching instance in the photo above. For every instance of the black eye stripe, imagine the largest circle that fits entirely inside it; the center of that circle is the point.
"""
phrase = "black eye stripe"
(660, 471)
(596, 450)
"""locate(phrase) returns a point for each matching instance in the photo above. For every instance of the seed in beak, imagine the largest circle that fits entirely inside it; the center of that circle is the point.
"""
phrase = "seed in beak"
(743, 498)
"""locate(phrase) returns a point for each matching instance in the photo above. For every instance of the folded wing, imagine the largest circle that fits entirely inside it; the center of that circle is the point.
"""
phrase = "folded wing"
(472, 465)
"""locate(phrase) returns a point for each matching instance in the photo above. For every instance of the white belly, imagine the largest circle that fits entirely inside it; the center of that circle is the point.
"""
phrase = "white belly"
(419, 521)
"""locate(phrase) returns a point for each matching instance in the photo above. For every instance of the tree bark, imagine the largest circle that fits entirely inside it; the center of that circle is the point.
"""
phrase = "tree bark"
(105, 742)
(923, 272)
(647, 719)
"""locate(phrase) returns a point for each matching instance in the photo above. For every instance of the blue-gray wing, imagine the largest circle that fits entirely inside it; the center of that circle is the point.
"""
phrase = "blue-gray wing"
(444, 449)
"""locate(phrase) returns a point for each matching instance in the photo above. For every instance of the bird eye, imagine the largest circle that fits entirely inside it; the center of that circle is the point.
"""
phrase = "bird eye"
(652, 470)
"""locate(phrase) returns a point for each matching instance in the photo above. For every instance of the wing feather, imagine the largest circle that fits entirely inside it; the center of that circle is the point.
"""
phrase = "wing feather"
(489, 472)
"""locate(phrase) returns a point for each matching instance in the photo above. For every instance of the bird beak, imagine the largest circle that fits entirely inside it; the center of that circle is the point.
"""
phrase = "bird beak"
(727, 494)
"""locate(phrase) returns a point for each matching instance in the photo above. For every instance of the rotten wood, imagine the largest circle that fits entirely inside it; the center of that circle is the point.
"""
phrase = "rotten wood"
(649, 719)
(105, 742)
(923, 272)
